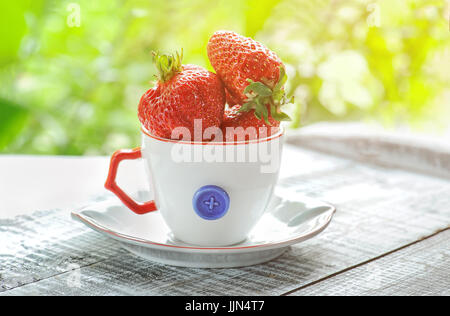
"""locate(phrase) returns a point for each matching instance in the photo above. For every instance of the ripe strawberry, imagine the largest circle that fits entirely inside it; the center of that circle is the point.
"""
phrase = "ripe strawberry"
(239, 125)
(252, 74)
(182, 94)
(230, 99)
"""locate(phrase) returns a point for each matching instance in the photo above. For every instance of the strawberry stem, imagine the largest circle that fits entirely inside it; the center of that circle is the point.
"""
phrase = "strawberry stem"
(260, 96)
(167, 65)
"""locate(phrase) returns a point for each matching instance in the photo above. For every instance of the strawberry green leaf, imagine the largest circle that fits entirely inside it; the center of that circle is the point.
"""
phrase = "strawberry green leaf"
(278, 95)
(261, 96)
(257, 113)
(282, 79)
(259, 88)
(246, 107)
(265, 114)
(280, 116)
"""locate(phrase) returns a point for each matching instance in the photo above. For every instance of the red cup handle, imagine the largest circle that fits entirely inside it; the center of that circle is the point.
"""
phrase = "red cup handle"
(111, 185)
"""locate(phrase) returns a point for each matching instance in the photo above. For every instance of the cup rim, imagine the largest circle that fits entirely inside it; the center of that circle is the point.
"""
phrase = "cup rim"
(242, 142)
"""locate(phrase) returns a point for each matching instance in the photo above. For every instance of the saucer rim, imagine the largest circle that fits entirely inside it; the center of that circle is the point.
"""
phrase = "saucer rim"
(91, 223)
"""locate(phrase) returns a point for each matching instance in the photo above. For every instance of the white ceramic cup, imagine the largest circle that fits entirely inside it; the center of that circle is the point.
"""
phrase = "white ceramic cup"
(209, 193)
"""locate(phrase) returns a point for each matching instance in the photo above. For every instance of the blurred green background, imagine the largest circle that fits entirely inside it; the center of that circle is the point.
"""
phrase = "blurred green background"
(72, 72)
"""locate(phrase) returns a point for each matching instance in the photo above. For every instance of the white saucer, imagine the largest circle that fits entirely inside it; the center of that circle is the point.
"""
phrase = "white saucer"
(287, 221)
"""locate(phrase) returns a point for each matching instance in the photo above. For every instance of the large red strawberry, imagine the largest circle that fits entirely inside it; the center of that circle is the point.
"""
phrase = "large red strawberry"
(230, 99)
(182, 94)
(240, 125)
(252, 74)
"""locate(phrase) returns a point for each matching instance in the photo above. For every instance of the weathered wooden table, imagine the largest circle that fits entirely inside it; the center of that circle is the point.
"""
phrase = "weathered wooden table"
(390, 235)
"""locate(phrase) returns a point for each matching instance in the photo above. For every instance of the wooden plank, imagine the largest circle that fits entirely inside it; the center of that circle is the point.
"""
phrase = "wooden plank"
(45, 244)
(429, 155)
(420, 269)
(379, 210)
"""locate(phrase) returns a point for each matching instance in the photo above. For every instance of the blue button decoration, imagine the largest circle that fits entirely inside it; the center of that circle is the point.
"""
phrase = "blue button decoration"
(211, 202)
